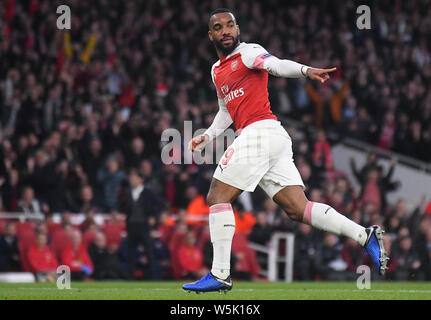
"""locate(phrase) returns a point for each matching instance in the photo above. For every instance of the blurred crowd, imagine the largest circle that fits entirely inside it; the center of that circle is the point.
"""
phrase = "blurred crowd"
(82, 112)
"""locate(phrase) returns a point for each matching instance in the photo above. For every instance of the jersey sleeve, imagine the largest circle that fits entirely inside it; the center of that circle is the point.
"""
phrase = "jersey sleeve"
(256, 57)
(221, 121)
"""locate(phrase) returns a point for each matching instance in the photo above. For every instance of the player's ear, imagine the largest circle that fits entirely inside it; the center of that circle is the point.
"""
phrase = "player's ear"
(210, 35)
(237, 28)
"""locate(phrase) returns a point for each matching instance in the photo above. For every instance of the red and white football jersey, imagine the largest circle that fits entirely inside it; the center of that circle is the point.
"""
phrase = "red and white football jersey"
(242, 83)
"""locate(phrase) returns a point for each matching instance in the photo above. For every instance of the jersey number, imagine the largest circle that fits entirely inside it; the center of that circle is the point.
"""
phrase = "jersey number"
(227, 155)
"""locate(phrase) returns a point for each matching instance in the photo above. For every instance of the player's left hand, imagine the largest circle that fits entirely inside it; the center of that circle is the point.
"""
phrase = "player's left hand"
(319, 74)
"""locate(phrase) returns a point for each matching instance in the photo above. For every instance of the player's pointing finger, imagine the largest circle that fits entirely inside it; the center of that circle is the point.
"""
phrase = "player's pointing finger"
(329, 70)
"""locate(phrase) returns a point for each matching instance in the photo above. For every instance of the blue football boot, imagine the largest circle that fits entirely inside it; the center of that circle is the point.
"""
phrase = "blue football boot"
(209, 283)
(374, 247)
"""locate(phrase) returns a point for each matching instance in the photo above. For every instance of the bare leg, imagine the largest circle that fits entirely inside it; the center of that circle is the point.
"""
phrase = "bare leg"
(293, 201)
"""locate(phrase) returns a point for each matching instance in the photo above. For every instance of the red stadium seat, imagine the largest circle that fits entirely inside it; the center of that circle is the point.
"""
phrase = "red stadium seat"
(114, 232)
(88, 238)
(52, 227)
(239, 242)
(203, 239)
(166, 232)
(247, 256)
(60, 239)
(25, 240)
(2, 225)
(23, 228)
(174, 246)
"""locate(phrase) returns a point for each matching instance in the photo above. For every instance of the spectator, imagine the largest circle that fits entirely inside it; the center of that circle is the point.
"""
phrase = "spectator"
(311, 179)
(329, 264)
(305, 253)
(375, 185)
(371, 190)
(137, 153)
(27, 203)
(59, 118)
(274, 215)
(161, 253)
(246, 264)
(87, 201)
(322, 156)
(422, 244)
(197, 210)
(244, 221)
(428, 209)
(393, 224)
(352, 254)
(408, 263)
(92, 160)
(111, 178)
(42, 260)
(152, 182)
(327, 102)
(140, 206)
(427, 255)
(105, 260)
(261, 231)
(42, 227)
(41, 173)
(76, 257)
(392, 263)
(10, 191)
(61, 194)
(361, 174)
(191, 258)
(387, 131)
(9, 254)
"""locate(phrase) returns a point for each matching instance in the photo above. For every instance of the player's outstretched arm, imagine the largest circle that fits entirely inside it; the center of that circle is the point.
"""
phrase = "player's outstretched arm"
(256, 57)
(291, 69)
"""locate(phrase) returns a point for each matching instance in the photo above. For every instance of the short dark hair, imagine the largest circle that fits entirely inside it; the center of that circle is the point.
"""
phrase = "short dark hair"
(221, 10)
(135, 171)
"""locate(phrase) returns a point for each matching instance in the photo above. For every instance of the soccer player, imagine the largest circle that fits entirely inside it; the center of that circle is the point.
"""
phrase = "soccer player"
(262, 153)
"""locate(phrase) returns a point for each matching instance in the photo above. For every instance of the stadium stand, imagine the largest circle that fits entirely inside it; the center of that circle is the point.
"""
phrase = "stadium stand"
(72, 117)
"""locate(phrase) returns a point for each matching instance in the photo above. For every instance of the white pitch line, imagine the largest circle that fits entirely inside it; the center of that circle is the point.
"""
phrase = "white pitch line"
(242, 290)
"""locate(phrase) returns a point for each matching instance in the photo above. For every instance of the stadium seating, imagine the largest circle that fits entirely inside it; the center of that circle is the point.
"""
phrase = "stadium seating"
(88, 238)
(59, 241)
(25, 239)
(114, 232)
(247, 261)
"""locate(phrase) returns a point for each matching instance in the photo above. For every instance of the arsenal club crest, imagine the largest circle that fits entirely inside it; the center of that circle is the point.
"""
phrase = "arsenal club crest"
(234, 65)
(225, 89)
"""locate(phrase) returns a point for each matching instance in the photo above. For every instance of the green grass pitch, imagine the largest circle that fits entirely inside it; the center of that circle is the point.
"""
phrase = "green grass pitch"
(241, 291)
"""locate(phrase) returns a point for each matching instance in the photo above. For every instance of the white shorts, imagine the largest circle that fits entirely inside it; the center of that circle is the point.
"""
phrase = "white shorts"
(260, 155)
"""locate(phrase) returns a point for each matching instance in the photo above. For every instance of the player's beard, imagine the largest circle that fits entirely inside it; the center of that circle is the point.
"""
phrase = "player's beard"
(226, 50)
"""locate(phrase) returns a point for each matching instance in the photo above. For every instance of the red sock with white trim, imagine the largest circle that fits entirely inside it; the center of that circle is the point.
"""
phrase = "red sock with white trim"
(326, 218)
(222, 229)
